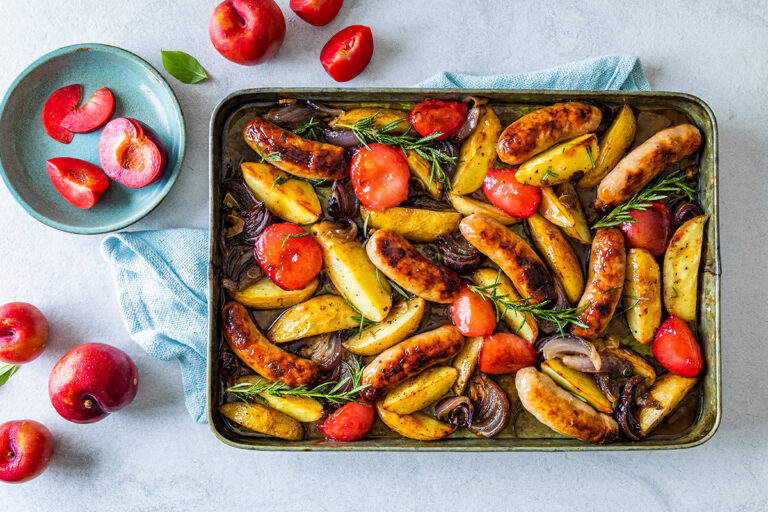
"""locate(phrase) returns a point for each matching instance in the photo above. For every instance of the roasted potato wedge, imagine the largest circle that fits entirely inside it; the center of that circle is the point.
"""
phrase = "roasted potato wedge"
(522, 324)
(318, 315)
(553, 210)
(642, 293)
(414, 224)
(465, 363)
(422, 170)
(352, 273)
(417, 425)
(558, 254)
(681, 268)
(614, 144)
(477, 153)
(265, 294)
(384, 116)
(668, 391)
(561, 163)
(402, 321)
(420, 391)
(263, 419)
(292, 200)
(468, 205)
(568, 199)
(639, 365)
(300, 408)
(581, 384)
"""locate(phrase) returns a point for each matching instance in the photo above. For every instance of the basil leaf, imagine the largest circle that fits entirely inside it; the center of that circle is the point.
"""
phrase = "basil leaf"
(6, 371)
(183, 66)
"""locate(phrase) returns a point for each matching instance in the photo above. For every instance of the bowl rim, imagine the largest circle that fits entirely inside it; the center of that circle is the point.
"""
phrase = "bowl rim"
(174, 173)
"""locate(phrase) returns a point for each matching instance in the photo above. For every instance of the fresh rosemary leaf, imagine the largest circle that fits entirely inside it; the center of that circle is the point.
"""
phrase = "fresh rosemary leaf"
(271, 157)
(363, 323)
(297, 235)
(309, 130)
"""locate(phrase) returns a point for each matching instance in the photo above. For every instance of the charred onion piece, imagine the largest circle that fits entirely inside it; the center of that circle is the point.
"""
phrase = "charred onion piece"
(451, 149)
(228, 364)
(469, 123)
(570, 345)
(291, 115)
(324, 350)
(455, 410)
(609, 387)
(342, 201)
(341, 137)
(491, 406)
(626, 420)
(562, 302)
(685, 212)
(458, 254)
(610, 364)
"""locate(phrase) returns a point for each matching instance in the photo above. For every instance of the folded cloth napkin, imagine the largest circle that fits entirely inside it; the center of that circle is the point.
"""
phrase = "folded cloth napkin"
(160, 276)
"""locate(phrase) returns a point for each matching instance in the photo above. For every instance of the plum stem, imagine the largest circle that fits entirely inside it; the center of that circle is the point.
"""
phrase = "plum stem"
(88, 403)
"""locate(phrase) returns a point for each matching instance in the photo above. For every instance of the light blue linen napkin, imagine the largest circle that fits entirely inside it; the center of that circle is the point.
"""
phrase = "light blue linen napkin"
(160, 276)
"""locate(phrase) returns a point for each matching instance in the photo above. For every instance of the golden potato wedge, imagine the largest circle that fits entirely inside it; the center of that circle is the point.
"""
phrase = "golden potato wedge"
(579, 383)
(681, 269)
(477, 153)
(522, 324)
(263, 419)
(668, 391)
(402, 321)
(318, 315)
(414, 224)
(558, 254)
(465, 363)
(553, 210)
(639, 365)
(569, 200)
(352, 273)
(613, 145)
(300, 408)
(468, 205)
(265, 294)
(293, 200)
(561, 163)
(384, 116)
(422, 170)
(417, 425)
(419, 391)
(642, 293)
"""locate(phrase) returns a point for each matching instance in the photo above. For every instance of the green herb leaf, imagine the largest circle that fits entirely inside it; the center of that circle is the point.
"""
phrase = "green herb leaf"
(183, 67)
(6, 371)
(297, 235)
(309, 130)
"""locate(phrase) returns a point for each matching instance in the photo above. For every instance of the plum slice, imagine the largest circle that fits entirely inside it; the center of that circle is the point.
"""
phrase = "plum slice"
(80, 182)
(56, 108)
(130, 153)
(93, 114)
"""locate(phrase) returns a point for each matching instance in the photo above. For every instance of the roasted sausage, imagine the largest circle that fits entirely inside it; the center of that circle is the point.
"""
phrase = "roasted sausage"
(512, 254)
(299, 156)
(605, 281)
(266, 359)
(561, 411)
(402, 263)
(543, 128)
(410, 357)
(643, 163)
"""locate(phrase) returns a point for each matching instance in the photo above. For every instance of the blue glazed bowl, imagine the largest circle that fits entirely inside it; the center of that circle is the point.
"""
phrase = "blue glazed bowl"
(140, 93)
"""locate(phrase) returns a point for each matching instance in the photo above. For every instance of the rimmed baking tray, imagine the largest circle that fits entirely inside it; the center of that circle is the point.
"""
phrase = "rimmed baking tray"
(235, 107)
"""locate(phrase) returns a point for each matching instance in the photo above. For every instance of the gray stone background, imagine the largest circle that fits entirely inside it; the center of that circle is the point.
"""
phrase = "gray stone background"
(152, 457)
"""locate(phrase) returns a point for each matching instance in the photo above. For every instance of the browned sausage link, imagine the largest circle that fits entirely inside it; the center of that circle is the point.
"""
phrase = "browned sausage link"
(512, 254)
(543, 128)
(299, 156)
(263, 357)
(561, 411)
(402, 263)
(647, 160)
(605, 281)
(410, 357)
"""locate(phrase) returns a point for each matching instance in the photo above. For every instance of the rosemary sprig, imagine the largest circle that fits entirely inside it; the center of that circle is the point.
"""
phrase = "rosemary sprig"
(281, 178)
(363, 323)
(366, 131)
(271, 157)
(327, 391)
(289, 236)
(659, 189)
(549, 173)
(634, 304)
(591, 158)
(393, 285)
(502, 303)
(6, 371)
(309, 130)
(315, 182)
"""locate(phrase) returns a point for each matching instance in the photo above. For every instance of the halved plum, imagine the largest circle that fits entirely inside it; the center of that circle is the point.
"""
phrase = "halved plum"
(130, 153)
(80, 182)
(56, 108)
(93, 114)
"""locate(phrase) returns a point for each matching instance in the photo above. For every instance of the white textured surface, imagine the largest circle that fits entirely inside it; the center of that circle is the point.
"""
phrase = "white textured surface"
(152, 457)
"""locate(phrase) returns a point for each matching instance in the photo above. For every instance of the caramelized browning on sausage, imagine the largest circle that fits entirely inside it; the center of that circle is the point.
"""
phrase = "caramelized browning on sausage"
(605, 281)
(543, 128)
(299, 156)
(266, 359)
(409, 358)
(402, 263)
(561, 411)
(512, 254)
(643, 163)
